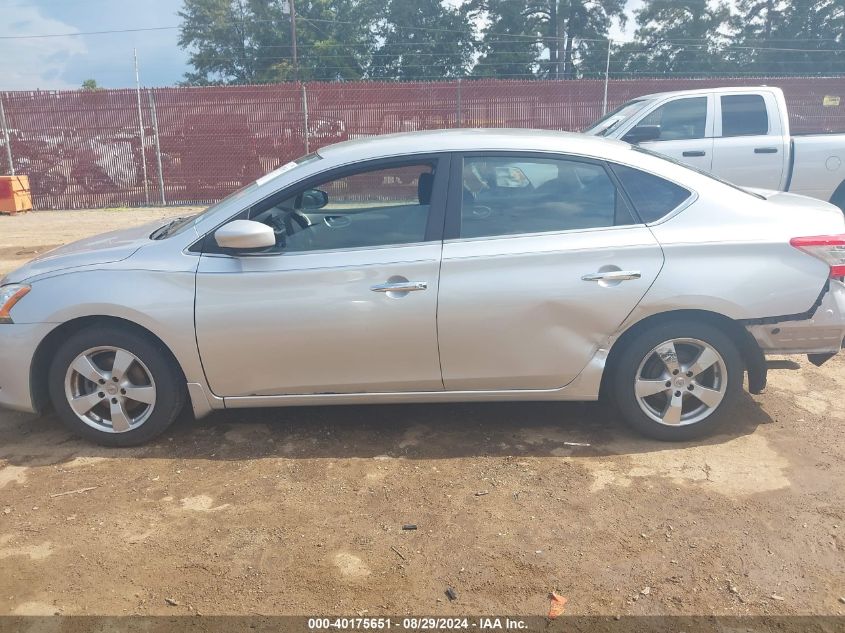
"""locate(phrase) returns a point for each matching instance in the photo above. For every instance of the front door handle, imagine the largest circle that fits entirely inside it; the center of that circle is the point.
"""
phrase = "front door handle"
(691, 153)
(613, 275)
(400, 286)
(765, 150)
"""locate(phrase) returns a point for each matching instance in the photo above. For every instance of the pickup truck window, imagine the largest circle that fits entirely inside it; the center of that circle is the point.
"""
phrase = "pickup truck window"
(744, 115)
(679, 119)
(652, 196)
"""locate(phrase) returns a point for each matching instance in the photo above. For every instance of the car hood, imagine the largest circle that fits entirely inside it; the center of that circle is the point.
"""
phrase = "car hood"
(109, 247)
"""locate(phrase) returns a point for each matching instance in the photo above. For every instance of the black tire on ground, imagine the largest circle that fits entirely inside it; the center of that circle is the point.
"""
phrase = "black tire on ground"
(169, 383)
(627, 364)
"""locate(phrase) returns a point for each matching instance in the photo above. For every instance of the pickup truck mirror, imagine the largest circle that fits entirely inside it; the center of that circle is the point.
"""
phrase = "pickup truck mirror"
(642, 133)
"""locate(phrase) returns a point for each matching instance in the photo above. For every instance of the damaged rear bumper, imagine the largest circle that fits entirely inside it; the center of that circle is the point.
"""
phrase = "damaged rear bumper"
(819, 333)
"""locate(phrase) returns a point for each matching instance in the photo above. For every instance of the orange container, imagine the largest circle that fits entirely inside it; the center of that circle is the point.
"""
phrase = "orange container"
(15, 195)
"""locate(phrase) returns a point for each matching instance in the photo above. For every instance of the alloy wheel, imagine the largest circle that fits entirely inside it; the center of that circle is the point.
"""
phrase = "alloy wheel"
(681, 381)
(110, 389)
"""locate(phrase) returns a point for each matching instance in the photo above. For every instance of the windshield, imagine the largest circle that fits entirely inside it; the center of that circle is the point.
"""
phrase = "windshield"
(612, 120)
(642, 150)
(178, 225)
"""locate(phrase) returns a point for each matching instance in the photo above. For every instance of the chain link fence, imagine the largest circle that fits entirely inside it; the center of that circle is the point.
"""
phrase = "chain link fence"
(195, 145)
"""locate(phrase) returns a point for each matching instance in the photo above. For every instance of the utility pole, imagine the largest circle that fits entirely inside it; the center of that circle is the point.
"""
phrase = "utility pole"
(554, 66)
(293, 39)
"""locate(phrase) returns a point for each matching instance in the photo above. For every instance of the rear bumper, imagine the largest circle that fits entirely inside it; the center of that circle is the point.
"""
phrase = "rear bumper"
(18, 343)
(822, 333)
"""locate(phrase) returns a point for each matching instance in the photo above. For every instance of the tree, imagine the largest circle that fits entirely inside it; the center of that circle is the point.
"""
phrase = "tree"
(550, 38)
(249, 41)
(511, 44)
(585, 26)
(90, 85)
(678, 37)
(423, 39)
(782, 37)
(216, 33)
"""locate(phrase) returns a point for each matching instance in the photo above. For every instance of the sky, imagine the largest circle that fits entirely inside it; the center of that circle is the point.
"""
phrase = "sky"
(58, 63)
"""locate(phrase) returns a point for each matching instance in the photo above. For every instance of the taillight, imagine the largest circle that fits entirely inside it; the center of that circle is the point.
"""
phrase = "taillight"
(828, 248)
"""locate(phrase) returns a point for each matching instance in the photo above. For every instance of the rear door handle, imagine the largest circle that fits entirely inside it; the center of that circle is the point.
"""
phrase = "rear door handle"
(691, 153)
(400, 286)
(765, 150)
(613, 275)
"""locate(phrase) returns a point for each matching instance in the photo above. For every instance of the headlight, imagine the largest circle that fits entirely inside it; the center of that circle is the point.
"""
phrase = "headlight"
(9, 296)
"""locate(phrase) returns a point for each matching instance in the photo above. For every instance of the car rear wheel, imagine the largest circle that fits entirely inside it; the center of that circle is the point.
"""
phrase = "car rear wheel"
(678, 381)
(115, 387)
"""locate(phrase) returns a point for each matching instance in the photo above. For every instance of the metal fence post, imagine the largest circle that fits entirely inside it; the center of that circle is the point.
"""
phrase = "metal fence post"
(460, 106)
(6, 139)
(606, 78)
(305, 118)
(157, 145)
(141, 128)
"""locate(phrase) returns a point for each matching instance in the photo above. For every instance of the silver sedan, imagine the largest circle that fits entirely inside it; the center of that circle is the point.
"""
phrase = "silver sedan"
(463, 265)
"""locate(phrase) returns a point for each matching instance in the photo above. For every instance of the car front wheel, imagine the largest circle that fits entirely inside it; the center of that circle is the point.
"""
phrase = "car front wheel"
(115, 387)
(678, 381)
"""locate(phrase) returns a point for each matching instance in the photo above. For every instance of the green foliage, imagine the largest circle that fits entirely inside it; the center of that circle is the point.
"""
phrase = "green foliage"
(90, 85)
(249, 41)
(779, 36)
(677, 37)
(422, 39)
(586, 25)
(545, 38)
(512, 43)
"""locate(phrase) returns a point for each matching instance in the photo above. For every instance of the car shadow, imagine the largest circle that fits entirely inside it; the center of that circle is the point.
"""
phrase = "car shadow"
(411, 431)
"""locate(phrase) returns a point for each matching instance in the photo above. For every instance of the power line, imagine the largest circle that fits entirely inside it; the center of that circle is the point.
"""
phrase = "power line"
(538, 39)
(48, 35)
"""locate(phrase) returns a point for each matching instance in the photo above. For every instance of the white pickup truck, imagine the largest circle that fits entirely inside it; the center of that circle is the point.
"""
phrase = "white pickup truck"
(739, 134)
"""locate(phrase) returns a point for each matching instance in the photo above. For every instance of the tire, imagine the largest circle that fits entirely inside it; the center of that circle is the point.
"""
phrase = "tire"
(106, 412)
(640, 370)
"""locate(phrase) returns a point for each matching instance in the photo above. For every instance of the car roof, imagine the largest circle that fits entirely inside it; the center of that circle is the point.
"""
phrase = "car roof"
(701, 91)
(469, 139)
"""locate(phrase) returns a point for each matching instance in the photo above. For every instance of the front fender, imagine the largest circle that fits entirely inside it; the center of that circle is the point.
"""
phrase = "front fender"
(161, 302)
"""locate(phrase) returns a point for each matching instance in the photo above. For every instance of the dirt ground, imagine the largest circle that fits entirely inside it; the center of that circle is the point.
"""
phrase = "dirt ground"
(300, 511)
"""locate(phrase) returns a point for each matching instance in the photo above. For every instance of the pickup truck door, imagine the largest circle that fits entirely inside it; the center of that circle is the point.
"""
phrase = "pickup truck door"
(749, 147)
(685, 129)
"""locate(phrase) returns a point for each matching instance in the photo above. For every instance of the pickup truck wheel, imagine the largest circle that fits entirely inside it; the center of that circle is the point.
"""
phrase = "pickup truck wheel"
(678, 380)
(115, 387)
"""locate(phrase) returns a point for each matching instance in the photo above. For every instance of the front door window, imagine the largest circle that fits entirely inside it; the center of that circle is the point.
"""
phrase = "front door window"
(385, 206)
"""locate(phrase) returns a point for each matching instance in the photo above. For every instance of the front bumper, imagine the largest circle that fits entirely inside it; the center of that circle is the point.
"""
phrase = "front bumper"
(822, 333)
(18, 343)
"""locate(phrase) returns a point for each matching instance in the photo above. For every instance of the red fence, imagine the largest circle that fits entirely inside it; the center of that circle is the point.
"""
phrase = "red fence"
(94, 149)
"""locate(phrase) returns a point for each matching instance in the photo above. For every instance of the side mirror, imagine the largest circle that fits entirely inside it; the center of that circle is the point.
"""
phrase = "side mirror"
(313, 199)
(642, 133)
(245, 235)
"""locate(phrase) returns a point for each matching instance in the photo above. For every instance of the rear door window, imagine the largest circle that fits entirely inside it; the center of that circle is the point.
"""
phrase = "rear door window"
(652, 196)
(510, 195)
(744, 115)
